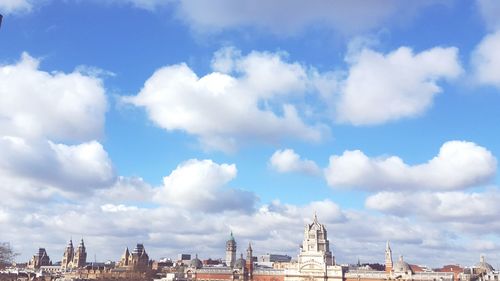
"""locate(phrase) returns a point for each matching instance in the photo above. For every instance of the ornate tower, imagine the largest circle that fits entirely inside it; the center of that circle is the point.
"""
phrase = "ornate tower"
(249, 264)
(230, 251)
(315, 247)
(388, 258)
(80, 258)
(68, 256)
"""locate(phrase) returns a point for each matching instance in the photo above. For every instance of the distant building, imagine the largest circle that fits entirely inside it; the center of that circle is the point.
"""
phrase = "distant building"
(138, 260)
(184, 257)
(40, 259)
(74, 259)
(274, 258)
(231, 251)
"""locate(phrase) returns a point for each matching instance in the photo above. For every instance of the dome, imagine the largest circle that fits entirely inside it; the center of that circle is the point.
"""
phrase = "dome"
(483, 265)
(196, 263)
(240, 263)
(401, 266)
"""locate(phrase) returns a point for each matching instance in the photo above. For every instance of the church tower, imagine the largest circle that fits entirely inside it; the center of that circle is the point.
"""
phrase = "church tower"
(230, 251)
(388, 258)
(80, 258)
(68, 256)
(249, 264)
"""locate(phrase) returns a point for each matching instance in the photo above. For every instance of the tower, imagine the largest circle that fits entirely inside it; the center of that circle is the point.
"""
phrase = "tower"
(316, 247)
(68, 256)
(80, 257)
(388, 258)
(230, 251)
(125, 257)
(249, 264)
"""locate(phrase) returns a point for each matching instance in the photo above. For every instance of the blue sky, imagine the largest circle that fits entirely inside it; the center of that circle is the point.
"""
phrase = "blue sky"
(172, 123)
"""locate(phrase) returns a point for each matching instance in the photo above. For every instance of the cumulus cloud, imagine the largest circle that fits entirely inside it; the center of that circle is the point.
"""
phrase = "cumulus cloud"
(226, 108)
(486, 60)
(474, 207)
(285, 161)
(202, 185)
(458, 165)
(77, 103)
(70, 168)
(15, 6)
(384, 87)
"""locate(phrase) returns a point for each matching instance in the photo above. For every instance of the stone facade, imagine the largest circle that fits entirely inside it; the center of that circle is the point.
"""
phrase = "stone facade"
(40, 259)
(138, 260)
(74, 259)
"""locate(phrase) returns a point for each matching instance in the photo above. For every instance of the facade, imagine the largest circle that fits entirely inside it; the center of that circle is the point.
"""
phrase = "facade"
(74, 259)
(40, 259)
(138, 260)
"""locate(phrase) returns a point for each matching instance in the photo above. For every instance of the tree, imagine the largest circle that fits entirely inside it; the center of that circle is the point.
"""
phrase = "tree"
(6, 254)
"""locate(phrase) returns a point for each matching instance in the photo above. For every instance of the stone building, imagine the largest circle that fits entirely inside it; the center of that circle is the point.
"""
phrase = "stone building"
(138, 260)
(39, 259)
(74, 259)
(230, 251)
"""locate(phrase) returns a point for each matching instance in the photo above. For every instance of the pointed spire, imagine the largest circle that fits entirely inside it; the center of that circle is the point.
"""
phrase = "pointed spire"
(249, 246)
(387, 246)
(315, 217)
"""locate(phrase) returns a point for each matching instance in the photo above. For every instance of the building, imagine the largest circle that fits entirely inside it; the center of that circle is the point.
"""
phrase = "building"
(315, 261)
(39, 259)
(230, 251)
(74, 259)
(138, 260)
(272, 258)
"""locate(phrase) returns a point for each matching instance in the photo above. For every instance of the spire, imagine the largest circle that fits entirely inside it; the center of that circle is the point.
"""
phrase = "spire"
(249, 246)
(387, 246)
(315, 219)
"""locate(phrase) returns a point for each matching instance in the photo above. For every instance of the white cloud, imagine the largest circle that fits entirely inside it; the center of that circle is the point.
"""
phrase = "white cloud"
(486, 60)
(77, 103)
(201, 185)
(490, 9)
(381, 88)
(458, 165)
(15, 6)
(462, 207)
(285, 161)
(224, 110)
(69, 168)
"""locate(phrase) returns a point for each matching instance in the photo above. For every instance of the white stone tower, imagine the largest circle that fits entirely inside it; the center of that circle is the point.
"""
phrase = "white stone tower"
(230, 251)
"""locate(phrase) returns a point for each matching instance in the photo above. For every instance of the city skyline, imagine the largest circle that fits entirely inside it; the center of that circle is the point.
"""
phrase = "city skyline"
(173, 123)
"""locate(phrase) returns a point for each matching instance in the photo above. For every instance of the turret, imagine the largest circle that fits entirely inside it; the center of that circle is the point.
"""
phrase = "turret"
(388, 258)
(80, 258)
(68, 256)
(249, 260)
